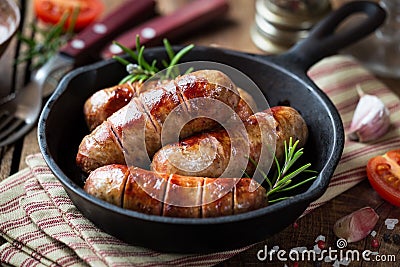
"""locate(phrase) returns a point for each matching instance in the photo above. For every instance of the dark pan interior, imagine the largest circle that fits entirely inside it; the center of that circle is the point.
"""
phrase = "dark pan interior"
(62, 127)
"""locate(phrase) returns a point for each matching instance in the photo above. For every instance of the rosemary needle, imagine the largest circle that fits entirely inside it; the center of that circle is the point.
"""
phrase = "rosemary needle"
(283, 180)
(141, 70)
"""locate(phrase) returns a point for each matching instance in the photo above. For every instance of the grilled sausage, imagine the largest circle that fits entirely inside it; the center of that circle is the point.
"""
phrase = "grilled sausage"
(134, 131)
(208, 154)
(246, 105)
(174, 195)
(105, 102)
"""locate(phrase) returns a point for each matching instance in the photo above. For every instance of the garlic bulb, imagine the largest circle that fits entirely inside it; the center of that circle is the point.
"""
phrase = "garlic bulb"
(370, 120)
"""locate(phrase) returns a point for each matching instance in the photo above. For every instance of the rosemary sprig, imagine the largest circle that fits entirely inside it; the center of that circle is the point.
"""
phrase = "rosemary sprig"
(142, 70)
(47, 42)
(283, 179)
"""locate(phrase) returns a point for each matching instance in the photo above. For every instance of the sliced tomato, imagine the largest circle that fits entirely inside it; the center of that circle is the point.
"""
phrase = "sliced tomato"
(384, 175)
(51, 11)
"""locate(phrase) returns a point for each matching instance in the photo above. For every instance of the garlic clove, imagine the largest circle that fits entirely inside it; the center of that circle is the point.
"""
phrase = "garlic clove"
(357, 225)
(370, 120)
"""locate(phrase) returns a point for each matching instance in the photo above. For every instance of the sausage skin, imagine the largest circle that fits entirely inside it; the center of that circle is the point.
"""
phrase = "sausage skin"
(105, 102)
(208, 154)
(246, 105)
(198, 197)
(134, 131)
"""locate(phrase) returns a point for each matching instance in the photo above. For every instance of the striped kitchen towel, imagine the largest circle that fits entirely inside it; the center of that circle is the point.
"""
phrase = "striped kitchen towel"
(339, 77)
(43, 228)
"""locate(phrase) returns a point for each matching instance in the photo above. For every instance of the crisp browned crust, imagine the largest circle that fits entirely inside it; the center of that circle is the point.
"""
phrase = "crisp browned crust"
(208, 154)
(123, 130)
(174, 195)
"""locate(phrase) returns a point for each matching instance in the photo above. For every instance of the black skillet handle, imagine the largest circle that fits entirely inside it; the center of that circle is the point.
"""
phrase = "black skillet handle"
(324, 40)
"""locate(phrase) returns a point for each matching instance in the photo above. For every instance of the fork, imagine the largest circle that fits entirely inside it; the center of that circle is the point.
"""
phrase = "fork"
(19, 111)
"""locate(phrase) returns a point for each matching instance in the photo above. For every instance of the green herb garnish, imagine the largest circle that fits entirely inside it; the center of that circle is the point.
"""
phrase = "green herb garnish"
(142, 70)
(283, 179)
(47, 41)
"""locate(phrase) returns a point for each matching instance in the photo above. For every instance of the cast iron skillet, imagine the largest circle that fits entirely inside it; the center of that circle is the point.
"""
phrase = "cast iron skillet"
(282, 79)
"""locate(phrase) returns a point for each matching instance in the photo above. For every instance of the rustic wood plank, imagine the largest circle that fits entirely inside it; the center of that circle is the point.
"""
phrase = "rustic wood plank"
(231, 31)
(6, 155)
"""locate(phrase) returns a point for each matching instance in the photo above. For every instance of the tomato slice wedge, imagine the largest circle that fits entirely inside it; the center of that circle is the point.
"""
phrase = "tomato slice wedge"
(384, 176)
(51, 11)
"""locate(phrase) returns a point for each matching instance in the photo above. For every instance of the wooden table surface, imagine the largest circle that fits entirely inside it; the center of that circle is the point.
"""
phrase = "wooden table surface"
(231, 31)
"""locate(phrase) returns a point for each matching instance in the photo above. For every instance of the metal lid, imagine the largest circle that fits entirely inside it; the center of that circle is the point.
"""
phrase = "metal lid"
(303, 18)
(266, 44)
(281, 35)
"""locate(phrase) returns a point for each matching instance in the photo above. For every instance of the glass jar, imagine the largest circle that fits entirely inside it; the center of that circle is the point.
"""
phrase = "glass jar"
(380, 52)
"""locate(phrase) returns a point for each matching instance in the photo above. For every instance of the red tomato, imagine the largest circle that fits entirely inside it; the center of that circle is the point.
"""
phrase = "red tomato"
(384, 175)
(51, 11)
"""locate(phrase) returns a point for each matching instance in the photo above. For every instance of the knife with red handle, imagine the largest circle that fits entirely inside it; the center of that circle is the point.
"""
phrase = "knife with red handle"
(179, 22)
(85, 46)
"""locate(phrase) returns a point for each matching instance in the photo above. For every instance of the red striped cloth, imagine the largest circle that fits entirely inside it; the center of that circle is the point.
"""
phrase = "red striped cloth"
(338, 77)
(43, 228)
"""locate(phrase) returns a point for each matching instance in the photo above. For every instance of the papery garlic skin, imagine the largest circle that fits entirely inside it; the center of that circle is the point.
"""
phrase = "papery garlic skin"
(370, 120)
(356, 225)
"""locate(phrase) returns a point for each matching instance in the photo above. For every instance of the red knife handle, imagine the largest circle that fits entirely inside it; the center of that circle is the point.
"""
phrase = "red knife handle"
(85, 46)
(181, 21)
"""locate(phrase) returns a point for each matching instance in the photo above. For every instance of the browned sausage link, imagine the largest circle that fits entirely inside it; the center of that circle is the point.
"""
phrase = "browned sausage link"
(105, 102)
(107, 183)
(199, 149)
(92, 153)
(206, 155)
(144, 191)
(246, 106)
(148, 111)
(158, 194)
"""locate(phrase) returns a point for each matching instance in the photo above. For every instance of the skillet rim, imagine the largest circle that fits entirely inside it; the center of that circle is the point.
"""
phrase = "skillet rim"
(315, 190)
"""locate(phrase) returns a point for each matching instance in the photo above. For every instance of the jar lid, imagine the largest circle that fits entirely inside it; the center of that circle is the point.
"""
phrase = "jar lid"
(266, 44)
(283, 35)
(286, 16)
